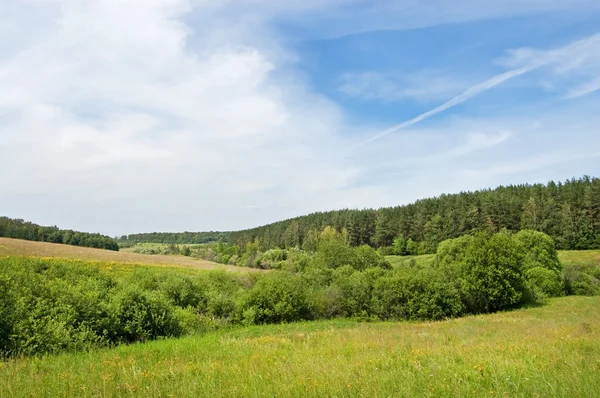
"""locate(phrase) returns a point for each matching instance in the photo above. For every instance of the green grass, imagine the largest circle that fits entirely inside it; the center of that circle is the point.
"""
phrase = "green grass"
(580, 257)
(551, 350)
(160, 247)
(24, 248)
(567, 257)
(410, 261)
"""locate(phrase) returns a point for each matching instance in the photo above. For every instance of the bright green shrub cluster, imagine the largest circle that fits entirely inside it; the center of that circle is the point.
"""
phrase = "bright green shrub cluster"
(582, 280)
(54, 305)
(49, 305)
(497, 271)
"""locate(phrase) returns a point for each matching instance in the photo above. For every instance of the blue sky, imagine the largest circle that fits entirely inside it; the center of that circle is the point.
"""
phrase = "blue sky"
(172, 115)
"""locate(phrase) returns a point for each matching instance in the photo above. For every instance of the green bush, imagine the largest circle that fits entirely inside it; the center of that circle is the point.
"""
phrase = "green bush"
(544, 282)
(416, 295)
(582, 280)
(353, 292)
(183, 292)
(8, 314)
(367, 257)
(278, 297)
(488, 271)
(540, 250)
(143, 315)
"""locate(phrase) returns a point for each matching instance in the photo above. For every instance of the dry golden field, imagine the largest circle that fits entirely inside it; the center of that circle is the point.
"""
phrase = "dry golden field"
(17, 247)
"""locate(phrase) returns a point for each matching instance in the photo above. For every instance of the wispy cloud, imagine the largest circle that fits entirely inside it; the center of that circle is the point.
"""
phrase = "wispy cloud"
(584, 89)
(422, 86)
(465, 96)
(566, 57)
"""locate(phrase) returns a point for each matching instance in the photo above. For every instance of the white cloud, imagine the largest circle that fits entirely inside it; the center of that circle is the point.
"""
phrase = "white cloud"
(574, 56)
(113, 105)
(422, 86)
(576, 65)
(584, 88)
(177, 115)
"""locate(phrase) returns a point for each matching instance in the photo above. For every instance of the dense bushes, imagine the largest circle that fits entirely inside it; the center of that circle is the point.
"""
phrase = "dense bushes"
(276, 297)
(416, 295)
(54, 305)
(50, 305)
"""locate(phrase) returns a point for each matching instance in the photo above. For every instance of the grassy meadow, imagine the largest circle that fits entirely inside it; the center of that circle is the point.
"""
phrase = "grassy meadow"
(547, 349)
(566, 257)
(17, 247)
(550, 350)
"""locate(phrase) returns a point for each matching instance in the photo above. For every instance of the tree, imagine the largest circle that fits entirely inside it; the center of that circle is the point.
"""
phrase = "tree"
(399, 246)
(489, 275)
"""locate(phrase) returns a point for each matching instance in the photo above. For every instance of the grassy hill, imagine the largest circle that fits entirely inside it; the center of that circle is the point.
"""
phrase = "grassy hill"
(551, 350)
(567, 257)
(16, 247)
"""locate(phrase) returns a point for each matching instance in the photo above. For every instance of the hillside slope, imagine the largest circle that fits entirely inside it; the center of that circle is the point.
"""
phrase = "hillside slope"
(17, 247)
(547, 351)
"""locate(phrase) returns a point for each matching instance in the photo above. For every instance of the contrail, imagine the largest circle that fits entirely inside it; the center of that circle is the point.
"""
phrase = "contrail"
(556, 56)
(466, 95)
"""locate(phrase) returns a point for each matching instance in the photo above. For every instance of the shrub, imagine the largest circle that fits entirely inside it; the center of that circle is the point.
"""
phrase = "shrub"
(416, 295)
(183, 292)
(142, 316)
(278, 297)
(488, 274)
(353, 292)
(8, 315)
(582, 280)
(367, 257)
(544, 282)
(452, 251)
(540, 251)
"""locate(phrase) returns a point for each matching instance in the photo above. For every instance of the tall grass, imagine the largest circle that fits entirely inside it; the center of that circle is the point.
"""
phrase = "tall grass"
(546, 351)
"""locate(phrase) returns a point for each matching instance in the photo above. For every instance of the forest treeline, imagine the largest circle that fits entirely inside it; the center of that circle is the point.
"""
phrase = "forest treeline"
(188, 238)
(19, 229)
(567, 211)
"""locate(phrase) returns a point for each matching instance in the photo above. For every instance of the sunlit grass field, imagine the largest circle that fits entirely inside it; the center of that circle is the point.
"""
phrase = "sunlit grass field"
(161, 246)
(17, 247)
(567, 257)
(547, 351)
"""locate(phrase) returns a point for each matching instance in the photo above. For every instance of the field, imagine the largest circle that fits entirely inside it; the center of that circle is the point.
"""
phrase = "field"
(567, 257)
(548, 349)
(551, 350)
(16, 247)
(159, 247)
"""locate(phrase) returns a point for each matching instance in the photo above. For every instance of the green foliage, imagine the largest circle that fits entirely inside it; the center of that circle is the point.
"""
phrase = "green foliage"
(19, 229)
(416, 295)
(399, 246)
(55, 305)
(569, 212)
(452, 251)
(277, 297)
(540, 250)
(353, 293)
(367, 257)
(544, 282)
(143, 315)
(582, 279)
(178, 238)
(488, 273)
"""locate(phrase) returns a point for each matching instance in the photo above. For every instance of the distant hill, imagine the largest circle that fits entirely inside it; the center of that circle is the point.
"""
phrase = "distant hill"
(20, 229)
(188, 238)
(567, 211)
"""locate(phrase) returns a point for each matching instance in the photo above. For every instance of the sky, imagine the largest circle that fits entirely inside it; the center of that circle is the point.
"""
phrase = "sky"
(192, 115)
